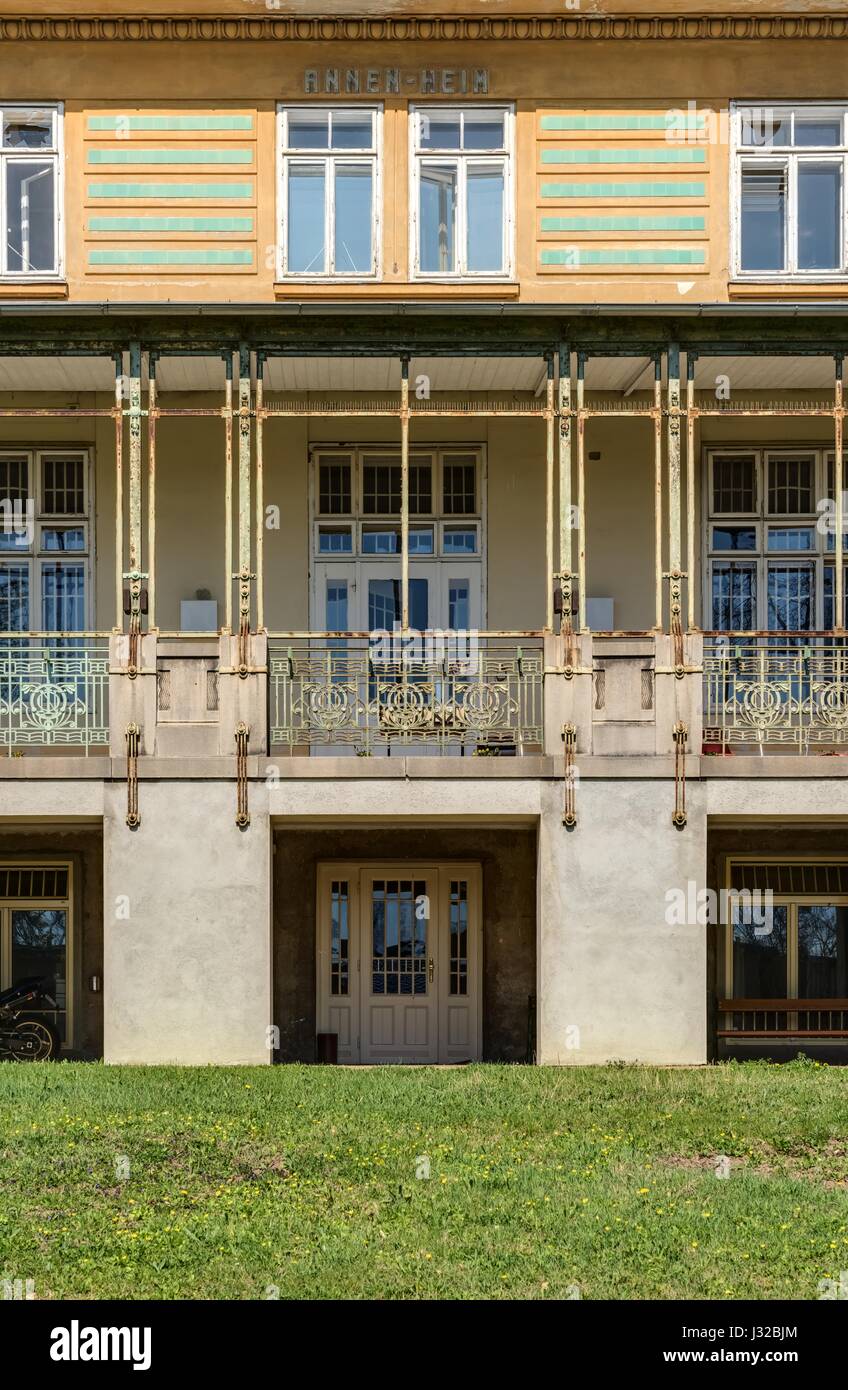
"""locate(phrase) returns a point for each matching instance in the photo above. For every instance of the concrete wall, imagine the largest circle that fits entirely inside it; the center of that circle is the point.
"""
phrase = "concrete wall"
(188, 974)
(508, 858)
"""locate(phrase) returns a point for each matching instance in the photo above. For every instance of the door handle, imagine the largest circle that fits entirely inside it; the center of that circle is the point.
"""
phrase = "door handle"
(431, 970)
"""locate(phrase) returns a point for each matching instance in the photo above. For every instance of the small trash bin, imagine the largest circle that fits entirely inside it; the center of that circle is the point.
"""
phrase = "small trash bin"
(327, 1049)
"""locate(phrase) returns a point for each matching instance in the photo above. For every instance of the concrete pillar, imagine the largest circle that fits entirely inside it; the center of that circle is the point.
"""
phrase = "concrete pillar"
(618, 976)
(187, 926)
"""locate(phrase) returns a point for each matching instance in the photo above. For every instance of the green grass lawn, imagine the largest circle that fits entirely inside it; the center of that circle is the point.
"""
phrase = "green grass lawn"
(301, 1182)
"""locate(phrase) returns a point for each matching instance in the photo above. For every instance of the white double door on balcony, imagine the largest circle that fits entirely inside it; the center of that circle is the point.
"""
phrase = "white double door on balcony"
(365, 596)
(398, 961)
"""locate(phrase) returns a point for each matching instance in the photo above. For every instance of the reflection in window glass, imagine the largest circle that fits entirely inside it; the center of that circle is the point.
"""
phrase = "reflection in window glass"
(759, 956)
(822, 952)
(353, 219)
(30, 216)
(819, 216)
(306, 192)
(763, 219)
(734, 598)
(791, 538)
(485, 192)
(437, 217)
(734, 538)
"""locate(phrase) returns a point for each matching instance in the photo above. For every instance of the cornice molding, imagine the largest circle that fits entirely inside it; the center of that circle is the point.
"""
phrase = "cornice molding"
(289, 29)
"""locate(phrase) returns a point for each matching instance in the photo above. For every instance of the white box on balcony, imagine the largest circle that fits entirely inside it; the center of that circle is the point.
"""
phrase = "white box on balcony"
(599, 614)
(198, 615)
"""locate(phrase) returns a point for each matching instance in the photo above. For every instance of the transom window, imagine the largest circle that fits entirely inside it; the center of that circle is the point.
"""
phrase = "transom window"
(790, 184)
(329, 202)
(770, 545)
(45, 540)
(461, 194)
(30, 145)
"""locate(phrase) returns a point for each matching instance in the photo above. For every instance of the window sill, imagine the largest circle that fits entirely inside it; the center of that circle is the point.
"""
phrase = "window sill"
(404, 289)
(33, 289)
(788, 289)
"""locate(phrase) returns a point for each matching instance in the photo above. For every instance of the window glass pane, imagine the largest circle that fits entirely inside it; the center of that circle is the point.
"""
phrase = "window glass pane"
(438, 130)
(734, 598)
(763, 128)
(822, 952)
(734, 538)
(460, 540)
(306, 192)
(790, 485)
(763, 219)
(39, 942)
(335, 540)
(734, 478)
(458, 983)
(791, 538)
(385, 540)
(828, 598)
(308, 130)
(14, 598)
(483, 132)
(791, 595)
(17, 509)
(352, 130)
(29, 129)
(334, 487)
(817, 130)
(353, 220)
(62, 598)
(381, 487)
(63, 481)
(339, 939)
(819, 216)
(759, 955)
(459, 480)
(437, 218)
(337, 605)
(485, 216)
(459, 607)
(30, 217)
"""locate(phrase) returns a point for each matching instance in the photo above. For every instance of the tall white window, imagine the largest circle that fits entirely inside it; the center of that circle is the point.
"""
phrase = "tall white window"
(790, 166)
(461, 192)
(45, 540)
(329, 191)
(30, 191)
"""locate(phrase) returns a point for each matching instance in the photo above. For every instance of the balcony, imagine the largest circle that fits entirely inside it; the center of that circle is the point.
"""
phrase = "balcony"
(342, 694)
(54, 693)
(776, 694)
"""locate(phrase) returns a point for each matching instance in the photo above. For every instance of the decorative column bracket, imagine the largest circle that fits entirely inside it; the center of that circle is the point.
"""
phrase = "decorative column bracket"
(569, 813)
(242, 736)
(245, 578)
(675, 605)
(680, 734)
(132, 735)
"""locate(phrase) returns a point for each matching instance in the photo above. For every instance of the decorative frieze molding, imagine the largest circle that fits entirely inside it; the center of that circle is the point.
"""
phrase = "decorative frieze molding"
(445, 29)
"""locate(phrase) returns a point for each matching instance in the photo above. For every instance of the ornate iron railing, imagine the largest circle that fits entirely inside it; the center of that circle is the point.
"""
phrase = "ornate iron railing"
(776, 693)
(54, 692)
(339, 693)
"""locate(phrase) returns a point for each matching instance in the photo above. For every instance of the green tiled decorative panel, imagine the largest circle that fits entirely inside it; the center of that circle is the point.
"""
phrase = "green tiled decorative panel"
(675, 120)
(580, 256)
(660, 154)
(144, 256)
(170, 224)
(170, 123)
(624, 224)
(131, 155)
(624, 190)
(129, 191)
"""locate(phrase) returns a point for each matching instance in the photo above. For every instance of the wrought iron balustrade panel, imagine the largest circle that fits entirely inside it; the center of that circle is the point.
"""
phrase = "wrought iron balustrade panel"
(776, 693)
(54, 694)
(323, 695)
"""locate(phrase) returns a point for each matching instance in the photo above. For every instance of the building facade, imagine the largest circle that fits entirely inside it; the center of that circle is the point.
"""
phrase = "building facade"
(422, 570)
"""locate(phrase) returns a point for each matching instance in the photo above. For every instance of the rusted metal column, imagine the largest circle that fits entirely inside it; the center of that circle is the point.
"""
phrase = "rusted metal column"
(691, 585)
(260, 496)
(581, 491)
(549, 495)
(119, 491)
(244, 572)
(675, 577)
(228, 493)
(838, 477)
(565, 556)
(404, 493)
(134, 575)
(658, 494)
(152, 408)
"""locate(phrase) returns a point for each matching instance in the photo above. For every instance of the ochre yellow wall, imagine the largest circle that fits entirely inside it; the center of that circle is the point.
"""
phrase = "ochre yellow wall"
(584, 79)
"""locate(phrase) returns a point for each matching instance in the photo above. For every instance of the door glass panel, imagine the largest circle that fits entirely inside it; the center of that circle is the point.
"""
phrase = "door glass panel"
(458, 937)
(823, 952)
(14, 598)
(791, 598)
(399, 913)
(339, 938)
(39, 947)
(459, 605)
(759, 955)
(384, 604)
(819, 216)
(337, 608)
(734, 598)
(62, 598)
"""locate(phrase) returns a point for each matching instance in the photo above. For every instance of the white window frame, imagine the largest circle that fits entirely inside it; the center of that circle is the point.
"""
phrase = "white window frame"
(34, 556)
(55, 156)
(329, 158)
(504, 159)
(787, 158)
